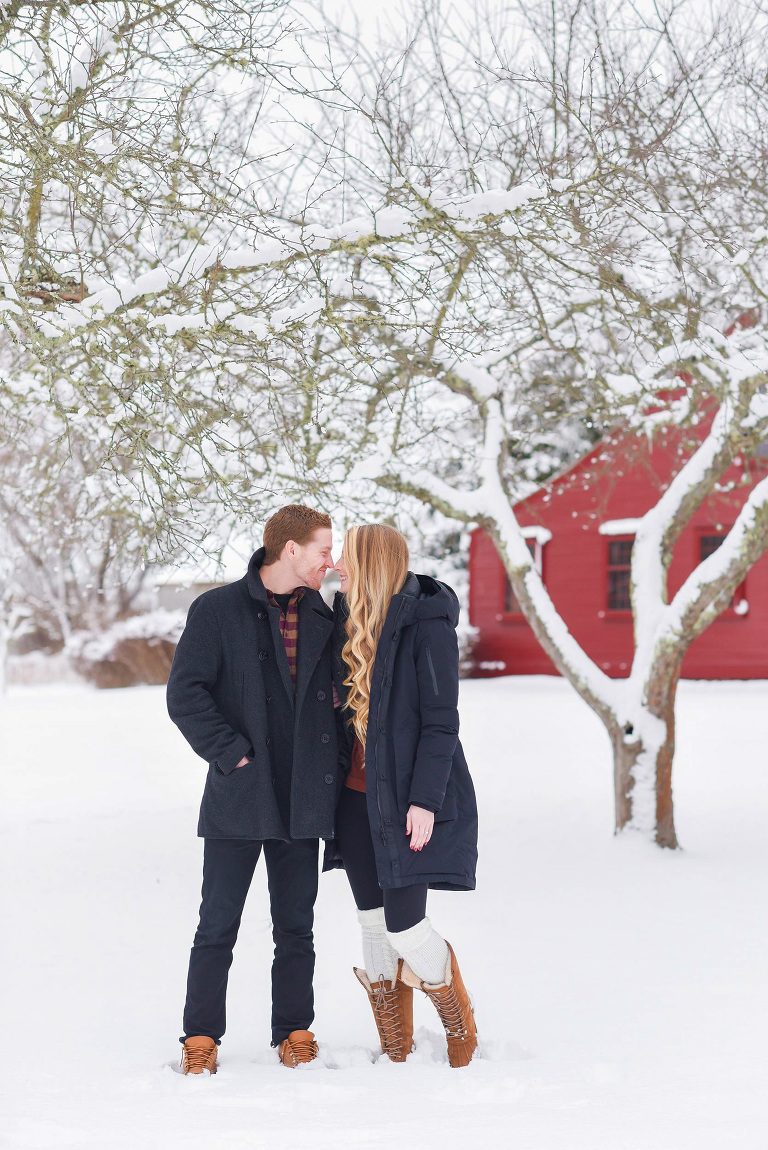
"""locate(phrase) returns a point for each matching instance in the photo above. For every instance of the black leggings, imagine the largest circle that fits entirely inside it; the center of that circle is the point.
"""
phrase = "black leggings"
(403, 906)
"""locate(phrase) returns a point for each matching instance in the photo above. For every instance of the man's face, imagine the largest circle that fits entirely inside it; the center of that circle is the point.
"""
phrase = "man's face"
(311, 561)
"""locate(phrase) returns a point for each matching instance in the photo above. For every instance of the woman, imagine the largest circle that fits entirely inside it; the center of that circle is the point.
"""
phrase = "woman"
(407, 818)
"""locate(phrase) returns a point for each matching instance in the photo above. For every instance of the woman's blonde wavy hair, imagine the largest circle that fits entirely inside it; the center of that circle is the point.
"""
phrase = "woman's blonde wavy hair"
(377, 565)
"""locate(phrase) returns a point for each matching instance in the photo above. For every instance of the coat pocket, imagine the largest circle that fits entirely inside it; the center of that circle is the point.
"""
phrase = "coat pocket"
(448, 810)
(235, 770)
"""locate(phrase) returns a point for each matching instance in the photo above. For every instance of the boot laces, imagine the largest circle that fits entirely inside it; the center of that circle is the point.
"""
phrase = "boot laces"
(196, 1059)
(387, 1005)
(302, 1050)
(449, 1009)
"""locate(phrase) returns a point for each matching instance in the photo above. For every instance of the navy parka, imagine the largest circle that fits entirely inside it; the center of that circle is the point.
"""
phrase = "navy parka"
(412, 751)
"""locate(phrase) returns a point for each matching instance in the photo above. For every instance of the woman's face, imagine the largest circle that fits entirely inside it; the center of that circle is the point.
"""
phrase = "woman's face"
(341, 567)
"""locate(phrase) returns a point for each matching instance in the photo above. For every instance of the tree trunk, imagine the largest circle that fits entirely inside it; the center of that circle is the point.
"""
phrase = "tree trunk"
(624, 759)
(643, 738)
(660, 692)
(661, 695)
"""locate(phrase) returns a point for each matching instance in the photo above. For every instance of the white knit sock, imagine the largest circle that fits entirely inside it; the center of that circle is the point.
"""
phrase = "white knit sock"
(423, 949)
(378, 956)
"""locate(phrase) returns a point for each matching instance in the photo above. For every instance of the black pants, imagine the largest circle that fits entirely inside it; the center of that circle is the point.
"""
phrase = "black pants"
(228, 867)
(403, 906)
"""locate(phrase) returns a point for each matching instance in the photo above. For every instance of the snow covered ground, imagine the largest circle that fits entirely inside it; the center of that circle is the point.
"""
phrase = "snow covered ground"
(620, 991)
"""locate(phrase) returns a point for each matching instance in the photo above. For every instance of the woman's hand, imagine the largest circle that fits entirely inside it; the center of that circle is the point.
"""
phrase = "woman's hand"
(419, 824)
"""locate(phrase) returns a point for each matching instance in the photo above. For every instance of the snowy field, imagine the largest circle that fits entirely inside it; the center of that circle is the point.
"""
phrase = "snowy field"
(620, 991)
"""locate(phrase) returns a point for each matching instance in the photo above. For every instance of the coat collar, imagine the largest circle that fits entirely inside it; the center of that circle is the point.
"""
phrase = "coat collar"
(253, 579)
(315, 629)
(315, 625)
(257, 590)
(411, 586)
(340, 614)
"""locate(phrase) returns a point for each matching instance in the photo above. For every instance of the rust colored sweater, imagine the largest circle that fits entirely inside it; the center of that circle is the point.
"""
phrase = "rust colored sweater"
(356, 777)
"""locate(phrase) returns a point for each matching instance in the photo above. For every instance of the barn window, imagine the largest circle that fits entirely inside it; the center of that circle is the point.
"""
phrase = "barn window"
(511, 605)
(619, 565)
(709, 542)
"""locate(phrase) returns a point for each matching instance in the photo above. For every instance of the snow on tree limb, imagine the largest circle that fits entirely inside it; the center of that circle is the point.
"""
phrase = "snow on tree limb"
(706, 591)
(659, 529)
(489, 504)
(279, 250)
(226, 326)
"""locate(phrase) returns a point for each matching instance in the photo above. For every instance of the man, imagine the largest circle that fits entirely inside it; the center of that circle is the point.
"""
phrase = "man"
(251, 691)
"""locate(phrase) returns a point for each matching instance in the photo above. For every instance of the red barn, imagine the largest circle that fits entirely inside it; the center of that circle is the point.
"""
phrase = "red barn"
(580, 527)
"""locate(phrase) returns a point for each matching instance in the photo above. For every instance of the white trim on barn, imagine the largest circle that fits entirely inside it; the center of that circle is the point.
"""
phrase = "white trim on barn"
(540, 536)
(619, 527)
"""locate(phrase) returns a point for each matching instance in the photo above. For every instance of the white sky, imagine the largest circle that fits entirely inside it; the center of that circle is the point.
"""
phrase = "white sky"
(371, 14)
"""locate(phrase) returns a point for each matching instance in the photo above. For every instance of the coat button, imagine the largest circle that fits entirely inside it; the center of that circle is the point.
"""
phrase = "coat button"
(325, 738)
(262, 655)
(321, 695)
(269, 698)
(382, 730)
(268, 741)
(395, 865)
(262, 614)
(329, 778)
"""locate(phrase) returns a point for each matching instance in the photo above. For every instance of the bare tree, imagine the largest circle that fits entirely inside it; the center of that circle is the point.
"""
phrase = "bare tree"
(116, 120)
(131, 138)
(625, 277)
(496, 243)
(76, 545)
(621, 250)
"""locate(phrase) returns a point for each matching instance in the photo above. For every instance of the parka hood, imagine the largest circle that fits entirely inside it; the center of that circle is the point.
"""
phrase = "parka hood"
(422, 597)
(428, 598)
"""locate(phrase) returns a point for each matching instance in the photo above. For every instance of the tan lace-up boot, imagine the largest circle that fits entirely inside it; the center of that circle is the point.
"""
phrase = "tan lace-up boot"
(392, 1005)
(298, 1047)
(199, 1054)
(452, 1004)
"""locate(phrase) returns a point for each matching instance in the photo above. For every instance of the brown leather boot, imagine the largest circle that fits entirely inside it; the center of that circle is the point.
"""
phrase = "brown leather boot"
(392, 1005)
(198, 1054)
(298, 1047)
(452, 1004)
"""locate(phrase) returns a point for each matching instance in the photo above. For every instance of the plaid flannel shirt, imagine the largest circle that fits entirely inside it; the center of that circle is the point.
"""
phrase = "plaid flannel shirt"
(289, 627)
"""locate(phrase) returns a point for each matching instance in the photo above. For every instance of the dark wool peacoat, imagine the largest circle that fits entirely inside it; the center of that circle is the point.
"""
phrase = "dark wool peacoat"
(230, 693)
(412, 749)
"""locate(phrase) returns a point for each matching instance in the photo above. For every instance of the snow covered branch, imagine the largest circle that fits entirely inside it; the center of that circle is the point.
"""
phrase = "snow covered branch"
(659, 529)
(710, 586)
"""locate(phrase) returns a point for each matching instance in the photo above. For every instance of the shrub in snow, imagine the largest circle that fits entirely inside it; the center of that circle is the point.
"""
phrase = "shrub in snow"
(467, 636)
(36, 667)
(136, 650)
